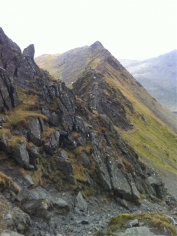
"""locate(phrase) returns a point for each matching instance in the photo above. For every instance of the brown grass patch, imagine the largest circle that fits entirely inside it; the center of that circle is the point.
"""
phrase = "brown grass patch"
(47, 133)
(7, 182)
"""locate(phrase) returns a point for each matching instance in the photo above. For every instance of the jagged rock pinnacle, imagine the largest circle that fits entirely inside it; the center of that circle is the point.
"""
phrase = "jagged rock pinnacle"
(96, 44)
(29, 51)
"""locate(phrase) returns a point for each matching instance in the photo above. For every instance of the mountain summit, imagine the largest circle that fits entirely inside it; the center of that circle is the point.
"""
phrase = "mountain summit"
(97, 44)
(71, 159)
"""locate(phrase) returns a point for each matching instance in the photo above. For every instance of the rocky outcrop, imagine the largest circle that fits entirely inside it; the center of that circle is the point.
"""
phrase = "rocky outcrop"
(102, 98)
(10, 52)
(41, 203)
(157, 185)
(13, 218)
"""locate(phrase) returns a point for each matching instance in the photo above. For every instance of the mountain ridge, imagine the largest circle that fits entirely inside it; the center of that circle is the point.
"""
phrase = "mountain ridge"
(97, 57)
(62, 151)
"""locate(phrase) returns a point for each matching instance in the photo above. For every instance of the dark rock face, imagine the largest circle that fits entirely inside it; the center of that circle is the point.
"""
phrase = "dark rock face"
(8, 95)
(21, 67)
(10, 53)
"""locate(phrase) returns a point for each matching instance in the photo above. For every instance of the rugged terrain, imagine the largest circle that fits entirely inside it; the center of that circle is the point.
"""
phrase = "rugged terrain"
(65, 165)
(158, 76)
(119, 89)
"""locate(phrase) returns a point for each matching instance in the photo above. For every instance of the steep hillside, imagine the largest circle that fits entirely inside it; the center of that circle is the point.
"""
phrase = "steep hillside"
(64, 166)
(159, 77)
(125, 101)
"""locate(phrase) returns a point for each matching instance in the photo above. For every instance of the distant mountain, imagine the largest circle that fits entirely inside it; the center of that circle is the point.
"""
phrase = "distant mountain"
(158, 75)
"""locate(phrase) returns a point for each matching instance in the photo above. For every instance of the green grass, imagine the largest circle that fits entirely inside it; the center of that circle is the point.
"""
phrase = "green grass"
(152, 219)
(153, 140)
(150, 138)
(47, 62)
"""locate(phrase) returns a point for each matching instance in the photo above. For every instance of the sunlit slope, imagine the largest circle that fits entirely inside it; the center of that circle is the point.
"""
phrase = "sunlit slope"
(47, 62)
(150, 137)
(154, 133)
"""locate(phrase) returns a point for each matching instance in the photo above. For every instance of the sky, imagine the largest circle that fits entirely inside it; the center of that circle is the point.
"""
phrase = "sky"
(129, 29)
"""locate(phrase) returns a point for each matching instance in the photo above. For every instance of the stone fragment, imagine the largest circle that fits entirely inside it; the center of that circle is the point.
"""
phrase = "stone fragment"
(133, 223)
(66, 167)
(21, 155)
(29, 181)
(158, 186)
(84, 160)
(4, 143)
(34, 133)
(53, 143)
(135, 192)
(29, 51)
(23, 194)
(34, 155)
(119, 182)
(81, 203)
(41, 203)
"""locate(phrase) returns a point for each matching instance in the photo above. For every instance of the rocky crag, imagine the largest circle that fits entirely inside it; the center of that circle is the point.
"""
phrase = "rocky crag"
(64, 167)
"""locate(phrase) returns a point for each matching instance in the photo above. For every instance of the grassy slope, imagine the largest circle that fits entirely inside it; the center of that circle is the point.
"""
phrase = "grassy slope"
(47, 62)
(151, 138)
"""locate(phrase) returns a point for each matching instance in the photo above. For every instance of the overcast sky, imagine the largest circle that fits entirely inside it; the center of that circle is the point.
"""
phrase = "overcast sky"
(130, 29)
